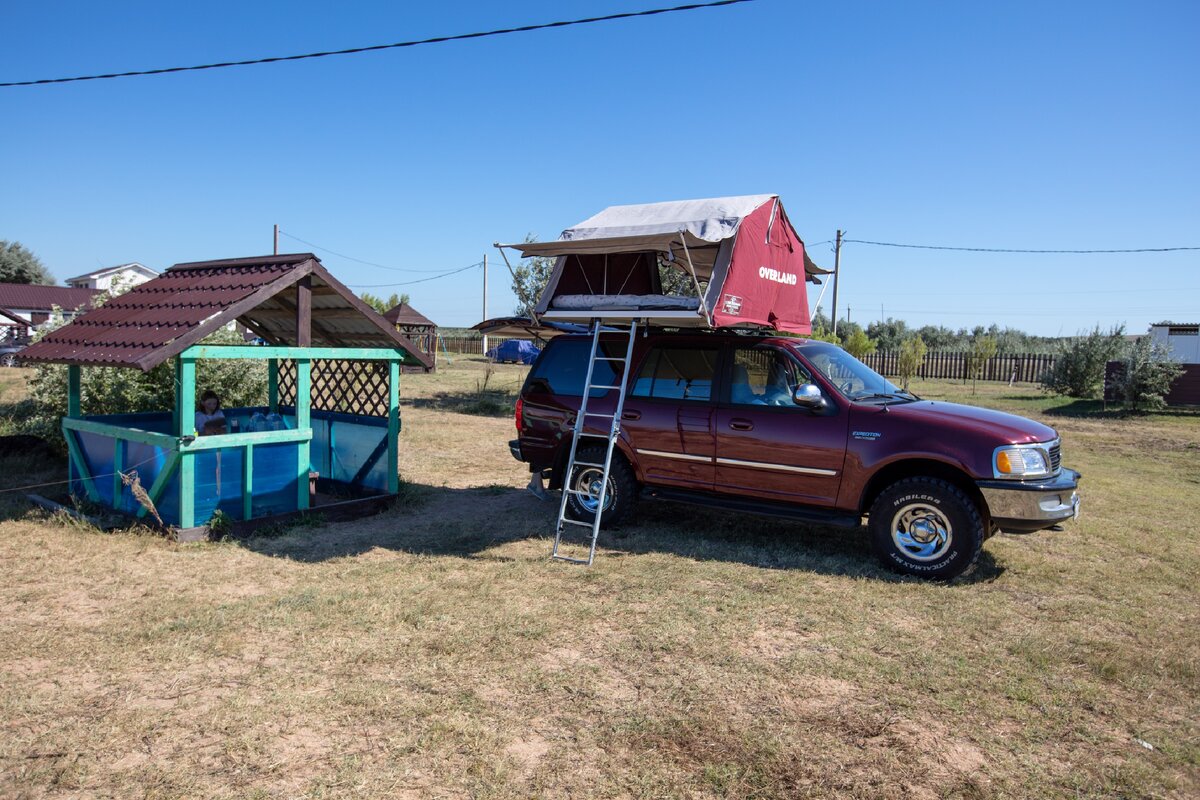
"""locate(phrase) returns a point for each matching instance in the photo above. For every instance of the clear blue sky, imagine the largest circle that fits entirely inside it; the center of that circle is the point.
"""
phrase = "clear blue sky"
(1027, 125)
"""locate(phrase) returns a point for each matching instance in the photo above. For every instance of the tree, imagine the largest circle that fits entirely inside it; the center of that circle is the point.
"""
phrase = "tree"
(1149, 371)
(858, 344)
(530, 276)
(381, 305)
(18, 264)
(1079, 365)
(983, 349)
(888, 335)
(937, 337)
(912, 358)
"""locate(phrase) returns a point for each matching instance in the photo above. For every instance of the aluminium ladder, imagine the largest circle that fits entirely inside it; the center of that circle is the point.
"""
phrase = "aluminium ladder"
(599, 495)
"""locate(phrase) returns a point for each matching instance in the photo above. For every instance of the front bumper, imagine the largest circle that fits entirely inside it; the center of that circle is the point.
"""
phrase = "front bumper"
(1027, 506)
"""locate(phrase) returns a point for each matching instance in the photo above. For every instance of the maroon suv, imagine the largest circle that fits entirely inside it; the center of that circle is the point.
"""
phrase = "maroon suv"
(798, 428)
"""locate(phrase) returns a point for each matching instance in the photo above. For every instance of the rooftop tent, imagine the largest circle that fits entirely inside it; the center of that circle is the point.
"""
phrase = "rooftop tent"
(744, 248)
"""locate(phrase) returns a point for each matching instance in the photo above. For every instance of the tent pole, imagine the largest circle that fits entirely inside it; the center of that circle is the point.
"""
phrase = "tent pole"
(695, 280)
(532, 314)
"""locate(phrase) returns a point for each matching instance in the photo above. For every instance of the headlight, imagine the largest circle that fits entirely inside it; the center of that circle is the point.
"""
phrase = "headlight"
(1022, 461)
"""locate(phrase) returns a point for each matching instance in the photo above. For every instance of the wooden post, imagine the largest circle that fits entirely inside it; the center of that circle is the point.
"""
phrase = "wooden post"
(73, 405)
(74, 391)
(186, 410)
(303, 422)
(837, 264)
(393, 451)
(118, 465)
(304, 312)
(248, 483)
(273, 385)
(485, 316)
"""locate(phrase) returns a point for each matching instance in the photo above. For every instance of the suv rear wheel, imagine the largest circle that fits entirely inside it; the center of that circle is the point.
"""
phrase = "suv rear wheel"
(619, 498)
(926, 527)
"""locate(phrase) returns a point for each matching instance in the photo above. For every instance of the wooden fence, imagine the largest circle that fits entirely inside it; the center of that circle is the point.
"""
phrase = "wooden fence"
(939, 365)
(467, 345)
(1014, 367)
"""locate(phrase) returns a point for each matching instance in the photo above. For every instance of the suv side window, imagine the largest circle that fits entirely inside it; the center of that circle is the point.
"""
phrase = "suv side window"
(677, 373)
(563, 366)
(764, 376)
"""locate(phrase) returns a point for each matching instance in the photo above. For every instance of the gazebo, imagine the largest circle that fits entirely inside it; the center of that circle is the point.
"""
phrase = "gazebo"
(420, 329)
(332, 361)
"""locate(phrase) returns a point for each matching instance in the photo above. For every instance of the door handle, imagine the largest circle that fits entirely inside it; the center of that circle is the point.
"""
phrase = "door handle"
(631, 415)
(741, 424)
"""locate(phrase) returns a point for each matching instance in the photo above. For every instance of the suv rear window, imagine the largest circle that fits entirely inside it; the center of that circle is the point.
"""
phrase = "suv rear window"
(677, 373)
(563, 367)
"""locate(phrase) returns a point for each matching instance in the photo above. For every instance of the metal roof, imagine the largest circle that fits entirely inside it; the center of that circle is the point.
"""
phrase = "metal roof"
(106, 270)
(404, 314)
(158, 319)
(36, 297)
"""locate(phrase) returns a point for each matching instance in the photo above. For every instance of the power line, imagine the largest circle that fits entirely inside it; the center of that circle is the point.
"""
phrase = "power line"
(372, 48)
(419, 280)
(352, 258)
(1016, 250)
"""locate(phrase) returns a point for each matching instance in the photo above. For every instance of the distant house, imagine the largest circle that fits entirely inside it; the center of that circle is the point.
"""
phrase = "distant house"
(1182, 340)
(24, 306)
(123, 275)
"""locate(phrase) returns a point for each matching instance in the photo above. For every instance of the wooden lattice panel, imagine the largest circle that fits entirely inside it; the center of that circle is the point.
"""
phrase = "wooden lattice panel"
(351, 387)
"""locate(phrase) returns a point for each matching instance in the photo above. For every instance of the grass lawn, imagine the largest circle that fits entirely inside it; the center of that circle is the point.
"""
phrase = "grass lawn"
(435, 651)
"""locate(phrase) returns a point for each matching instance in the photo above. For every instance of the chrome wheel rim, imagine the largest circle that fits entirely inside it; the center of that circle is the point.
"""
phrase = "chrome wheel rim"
(921, 532)
(588, 480)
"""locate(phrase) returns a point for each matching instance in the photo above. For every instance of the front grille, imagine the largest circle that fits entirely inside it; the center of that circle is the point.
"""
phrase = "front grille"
(1055, 456)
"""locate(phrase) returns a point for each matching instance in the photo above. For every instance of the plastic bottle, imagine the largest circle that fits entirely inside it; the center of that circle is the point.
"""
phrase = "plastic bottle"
(257, 422)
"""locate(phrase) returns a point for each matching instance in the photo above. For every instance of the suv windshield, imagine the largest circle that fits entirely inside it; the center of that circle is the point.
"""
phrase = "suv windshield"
(852, 378)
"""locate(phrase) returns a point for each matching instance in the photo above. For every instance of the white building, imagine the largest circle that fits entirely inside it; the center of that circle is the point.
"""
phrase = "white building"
(1181, 340)
(123, 275)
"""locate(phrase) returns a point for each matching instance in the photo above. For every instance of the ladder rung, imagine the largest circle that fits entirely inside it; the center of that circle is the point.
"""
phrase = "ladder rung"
(596, 436)
(576, 522)
(611, 358)
(570, 560)
(602, 386)
(580, 494)
(585, 464)
(598, 414)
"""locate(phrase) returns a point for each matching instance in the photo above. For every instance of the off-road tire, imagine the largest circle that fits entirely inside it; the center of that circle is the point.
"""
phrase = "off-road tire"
(622, 487)
(937, 510)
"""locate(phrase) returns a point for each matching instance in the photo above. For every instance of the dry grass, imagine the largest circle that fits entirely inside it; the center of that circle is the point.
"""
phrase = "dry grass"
(434, 651)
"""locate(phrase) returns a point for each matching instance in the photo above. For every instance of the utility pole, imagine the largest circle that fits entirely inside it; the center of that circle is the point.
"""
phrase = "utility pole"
(485, 316)
(837, 262)
(276, 240)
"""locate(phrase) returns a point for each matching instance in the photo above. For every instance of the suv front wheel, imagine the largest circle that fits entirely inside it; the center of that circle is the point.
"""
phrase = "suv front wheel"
(619, 497)
(926, 527)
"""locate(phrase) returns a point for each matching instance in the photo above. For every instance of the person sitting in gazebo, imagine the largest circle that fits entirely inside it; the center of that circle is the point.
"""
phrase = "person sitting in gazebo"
(210, 419)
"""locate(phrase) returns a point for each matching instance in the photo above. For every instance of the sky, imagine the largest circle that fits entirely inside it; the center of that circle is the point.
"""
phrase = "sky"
(1016, 125)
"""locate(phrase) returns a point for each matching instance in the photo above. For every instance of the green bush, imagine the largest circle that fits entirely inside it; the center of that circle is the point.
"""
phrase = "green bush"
(112, 390)
(912, 358)
(1147, 376)
(1079, 365)
(858, 344)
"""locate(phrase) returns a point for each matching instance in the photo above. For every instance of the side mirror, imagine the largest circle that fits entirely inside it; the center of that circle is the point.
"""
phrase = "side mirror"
(809, 396)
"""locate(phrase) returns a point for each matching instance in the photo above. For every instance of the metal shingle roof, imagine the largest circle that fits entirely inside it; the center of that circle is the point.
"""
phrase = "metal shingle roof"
(157, 319)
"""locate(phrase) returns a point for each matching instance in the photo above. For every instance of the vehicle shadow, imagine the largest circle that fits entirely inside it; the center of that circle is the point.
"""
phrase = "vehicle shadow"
(475, 522)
